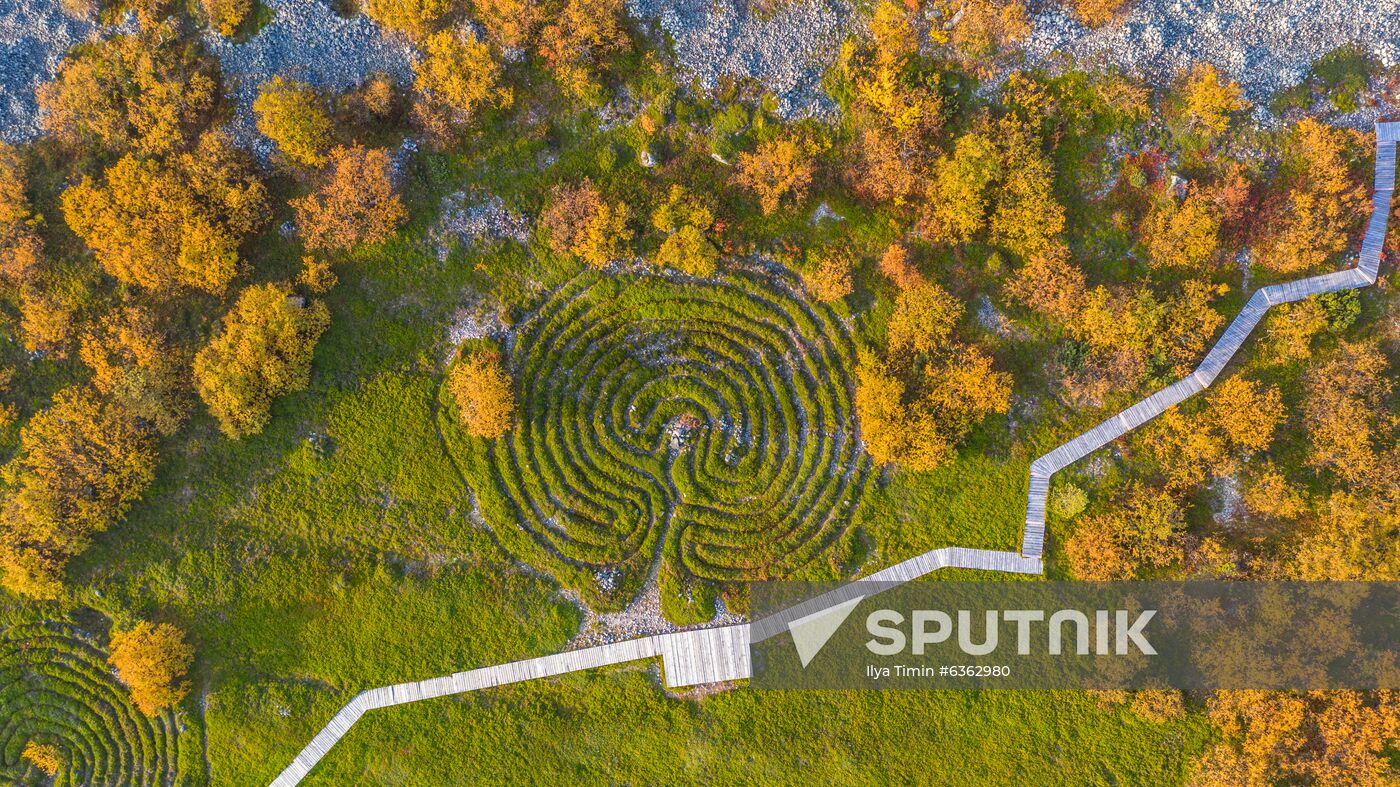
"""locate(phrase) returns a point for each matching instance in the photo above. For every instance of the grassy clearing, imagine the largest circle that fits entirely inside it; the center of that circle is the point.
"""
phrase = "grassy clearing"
(621, 724)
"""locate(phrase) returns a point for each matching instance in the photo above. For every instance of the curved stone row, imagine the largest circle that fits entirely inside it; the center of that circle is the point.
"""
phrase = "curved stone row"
(707, 421)
(57, 689)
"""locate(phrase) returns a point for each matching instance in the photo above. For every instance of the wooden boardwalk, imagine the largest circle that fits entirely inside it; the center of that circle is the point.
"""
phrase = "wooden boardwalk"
(1364, 274)
(711, 655)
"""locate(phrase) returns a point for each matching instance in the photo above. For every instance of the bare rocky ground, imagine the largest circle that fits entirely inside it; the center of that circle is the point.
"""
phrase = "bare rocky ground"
(306, 40)
(1265, 45)
(786, 52)
(34, 34)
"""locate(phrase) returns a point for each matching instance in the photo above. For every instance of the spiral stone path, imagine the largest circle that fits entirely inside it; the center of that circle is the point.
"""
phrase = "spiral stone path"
(56, 689)
(707, 655)
(707, 423)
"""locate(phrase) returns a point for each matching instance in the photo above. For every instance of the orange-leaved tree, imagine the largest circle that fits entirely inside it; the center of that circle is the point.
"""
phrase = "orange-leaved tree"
(355, 203)
(152, 660)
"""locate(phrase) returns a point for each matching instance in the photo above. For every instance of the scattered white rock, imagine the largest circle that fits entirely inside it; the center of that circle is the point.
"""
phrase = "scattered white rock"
(786, 53)
(823, 212)
(34, 35)
(309, 41)
(1265, 45)
(470, 218)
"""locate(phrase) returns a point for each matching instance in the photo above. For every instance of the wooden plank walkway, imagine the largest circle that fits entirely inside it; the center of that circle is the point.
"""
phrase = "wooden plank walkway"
(712, 655)
(1363, 275)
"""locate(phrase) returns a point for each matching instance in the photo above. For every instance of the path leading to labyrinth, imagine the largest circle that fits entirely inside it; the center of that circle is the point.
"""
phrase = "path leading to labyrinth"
(710, 655)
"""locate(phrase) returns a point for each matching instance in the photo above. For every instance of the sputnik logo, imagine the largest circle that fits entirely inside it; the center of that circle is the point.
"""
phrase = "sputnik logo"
(811, 633)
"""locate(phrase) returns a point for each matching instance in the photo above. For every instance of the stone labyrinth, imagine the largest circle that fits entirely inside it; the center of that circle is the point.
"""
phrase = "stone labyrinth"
(705, 426)
(56, 689)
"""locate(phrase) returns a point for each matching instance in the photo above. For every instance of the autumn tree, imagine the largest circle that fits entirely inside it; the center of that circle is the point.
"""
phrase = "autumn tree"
(143, 91)
(960, 191)
(928, 391)
(683, 208)
(293, 116)
(133, 363)
(1183, 234)
(1211, 99)
(1317, 737)
(152, 660)
(20, 247)
(779, 171)
(225, 16)
(82, 463)
(168, 224)
(923, 319)
(414, 19)
(47, 314)
(1324, 202)
(1142, 530)
(1351, 539)
(510, 24)
(1027, 218)
(580, 223)
(355, 203)
(1049, 283)
(1246, 412)
(576, 41)
(979, 29)
(458, 74)
(828, 274)
(263, 351)
(688, 250)
(482, 389)
(1239, 419)
(1096, 13)
(896, 266)
(1289, 330)
(1344, 410)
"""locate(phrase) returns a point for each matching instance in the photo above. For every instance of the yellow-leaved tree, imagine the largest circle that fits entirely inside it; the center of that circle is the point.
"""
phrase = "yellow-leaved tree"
(169, 224)
(579, 222)
(482, 389)
(1211, 99)
(413, 18)
(293, 116)
(82, 462)
(458, 74)
(263, 351)
(152, 659)
(20, 247)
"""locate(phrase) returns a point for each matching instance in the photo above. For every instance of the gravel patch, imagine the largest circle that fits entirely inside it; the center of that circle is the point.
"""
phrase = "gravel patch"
(34, 35)
(306, 40)
(1265, 45)
(471, 218)
(786, 53)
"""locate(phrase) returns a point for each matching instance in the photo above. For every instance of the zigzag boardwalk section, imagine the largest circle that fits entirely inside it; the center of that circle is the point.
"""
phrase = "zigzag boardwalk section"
(1363, 275)
(709, 655)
